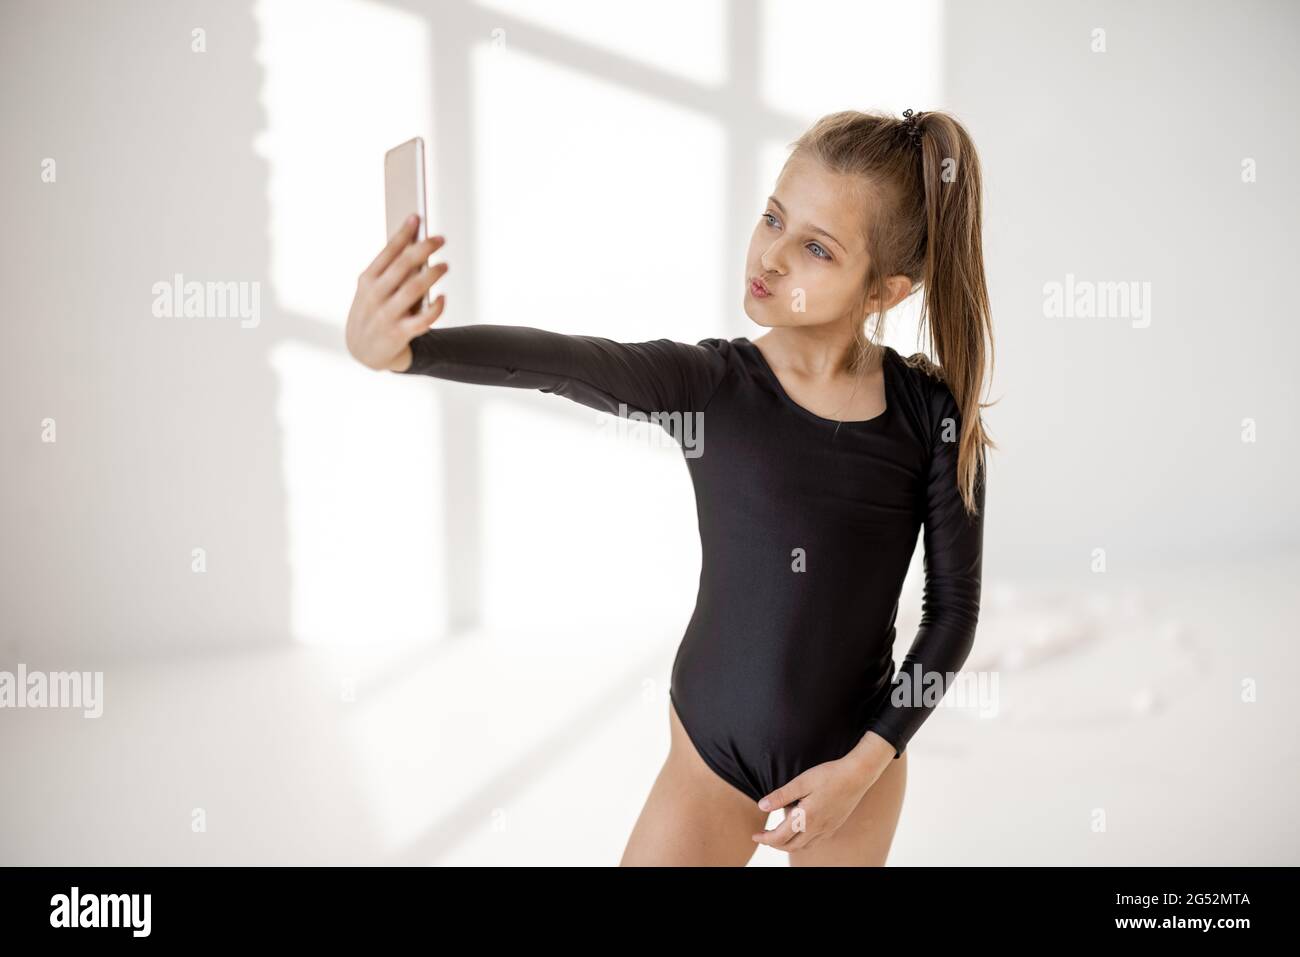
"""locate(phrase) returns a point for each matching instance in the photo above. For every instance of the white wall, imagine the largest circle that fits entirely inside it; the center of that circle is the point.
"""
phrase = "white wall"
(572, 155)
(1127, 166)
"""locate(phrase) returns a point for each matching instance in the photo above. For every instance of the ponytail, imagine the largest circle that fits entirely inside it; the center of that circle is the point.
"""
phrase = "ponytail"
(923, 178)
(955, 310)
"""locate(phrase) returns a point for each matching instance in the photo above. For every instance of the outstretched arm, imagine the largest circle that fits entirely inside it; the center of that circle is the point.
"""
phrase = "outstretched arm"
(950, 607)
(617, 377)
(660, 376)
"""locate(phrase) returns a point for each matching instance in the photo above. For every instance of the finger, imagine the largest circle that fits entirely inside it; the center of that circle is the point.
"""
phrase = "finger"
(777, 836)
(411, 259)
(798, 818)
(800, 842)
(420, 322)
(792, 829)
(407, 263)
(787, 794)
(784, 842)
(413, 290)
(395, 243)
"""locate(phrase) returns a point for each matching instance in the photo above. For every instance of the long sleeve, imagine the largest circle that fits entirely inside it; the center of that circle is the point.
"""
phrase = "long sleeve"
(660, 376)
(953, 542)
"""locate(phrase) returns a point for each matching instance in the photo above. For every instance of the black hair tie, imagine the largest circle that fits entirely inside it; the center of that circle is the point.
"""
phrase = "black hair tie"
(912, 126)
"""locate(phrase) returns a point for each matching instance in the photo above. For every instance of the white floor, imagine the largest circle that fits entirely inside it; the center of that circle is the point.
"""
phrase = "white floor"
(1121, 738)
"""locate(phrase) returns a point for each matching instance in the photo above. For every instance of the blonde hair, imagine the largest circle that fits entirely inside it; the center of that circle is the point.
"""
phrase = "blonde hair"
(925, 223)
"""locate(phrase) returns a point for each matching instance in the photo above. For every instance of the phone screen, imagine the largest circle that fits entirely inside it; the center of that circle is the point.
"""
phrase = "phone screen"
(404, 194)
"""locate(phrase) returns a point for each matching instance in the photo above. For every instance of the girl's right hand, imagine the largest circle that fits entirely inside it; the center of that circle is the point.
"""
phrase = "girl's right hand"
(379, 328)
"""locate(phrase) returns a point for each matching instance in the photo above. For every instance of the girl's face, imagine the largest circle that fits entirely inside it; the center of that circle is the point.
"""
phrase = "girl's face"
(808, 250)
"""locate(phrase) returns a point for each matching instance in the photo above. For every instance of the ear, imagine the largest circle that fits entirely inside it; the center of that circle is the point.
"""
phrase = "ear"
(897, 288)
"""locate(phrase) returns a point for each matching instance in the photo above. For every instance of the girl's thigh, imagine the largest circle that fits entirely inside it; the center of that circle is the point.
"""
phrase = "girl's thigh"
(864, 839)
(692, 818)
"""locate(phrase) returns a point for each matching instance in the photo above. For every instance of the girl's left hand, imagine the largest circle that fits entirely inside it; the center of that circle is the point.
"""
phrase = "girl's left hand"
(825, 794)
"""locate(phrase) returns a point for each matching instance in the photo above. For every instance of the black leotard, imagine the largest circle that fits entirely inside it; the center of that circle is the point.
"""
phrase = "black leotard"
(807, 528)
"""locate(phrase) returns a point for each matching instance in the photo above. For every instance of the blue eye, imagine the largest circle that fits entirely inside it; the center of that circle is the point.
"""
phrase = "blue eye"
(770, 219)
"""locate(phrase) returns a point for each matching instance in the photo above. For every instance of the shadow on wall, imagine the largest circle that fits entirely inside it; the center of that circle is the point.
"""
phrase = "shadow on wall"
(165, 437)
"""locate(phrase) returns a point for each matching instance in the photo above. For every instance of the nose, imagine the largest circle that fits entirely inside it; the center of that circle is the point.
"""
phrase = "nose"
(770, 261)
(774, 256)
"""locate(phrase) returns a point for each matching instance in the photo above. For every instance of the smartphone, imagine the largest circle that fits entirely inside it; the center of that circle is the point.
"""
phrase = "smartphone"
(404, 195)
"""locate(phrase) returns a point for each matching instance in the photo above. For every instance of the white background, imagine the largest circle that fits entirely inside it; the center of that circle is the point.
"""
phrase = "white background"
(502, 585)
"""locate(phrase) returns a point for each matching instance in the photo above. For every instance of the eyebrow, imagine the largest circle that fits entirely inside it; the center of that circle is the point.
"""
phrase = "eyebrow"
(811, 228)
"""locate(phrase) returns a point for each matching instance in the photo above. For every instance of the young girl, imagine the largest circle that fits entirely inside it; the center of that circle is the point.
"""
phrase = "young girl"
(825, 452)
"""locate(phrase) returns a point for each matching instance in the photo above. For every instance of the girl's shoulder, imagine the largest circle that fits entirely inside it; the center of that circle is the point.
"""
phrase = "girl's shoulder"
(920, 362)
(926, 398)
(925, 376)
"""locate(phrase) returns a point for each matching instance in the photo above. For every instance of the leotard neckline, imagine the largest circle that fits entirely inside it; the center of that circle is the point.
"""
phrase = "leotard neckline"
(873, 422)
